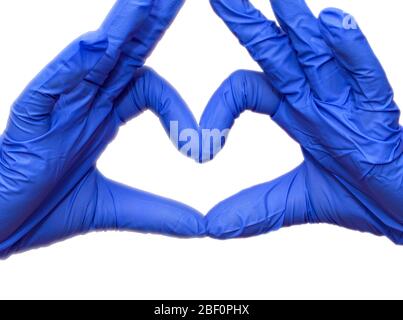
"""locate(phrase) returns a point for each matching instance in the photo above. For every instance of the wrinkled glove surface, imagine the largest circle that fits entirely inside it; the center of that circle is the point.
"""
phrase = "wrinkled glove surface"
(324, 85)
(50, 188)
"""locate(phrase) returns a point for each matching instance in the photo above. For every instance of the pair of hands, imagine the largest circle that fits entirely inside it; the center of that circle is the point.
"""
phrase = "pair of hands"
(321, 83)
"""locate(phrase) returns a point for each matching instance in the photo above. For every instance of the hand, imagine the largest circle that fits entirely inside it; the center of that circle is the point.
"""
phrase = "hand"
(332, 96)
(50, 188)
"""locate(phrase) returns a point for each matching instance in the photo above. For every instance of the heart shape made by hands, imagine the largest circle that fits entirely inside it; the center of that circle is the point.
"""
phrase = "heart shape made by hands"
(329, 93)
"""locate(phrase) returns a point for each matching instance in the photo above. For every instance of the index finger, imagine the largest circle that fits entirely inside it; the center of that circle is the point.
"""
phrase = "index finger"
(143, 42)
(92, 56)
(266, 43)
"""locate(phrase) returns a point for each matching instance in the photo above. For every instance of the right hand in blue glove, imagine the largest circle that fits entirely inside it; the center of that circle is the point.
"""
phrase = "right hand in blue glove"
(331, 95)
(50, 188)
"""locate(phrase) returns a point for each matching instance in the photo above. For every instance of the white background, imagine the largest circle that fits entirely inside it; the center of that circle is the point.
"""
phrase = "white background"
(196, 55)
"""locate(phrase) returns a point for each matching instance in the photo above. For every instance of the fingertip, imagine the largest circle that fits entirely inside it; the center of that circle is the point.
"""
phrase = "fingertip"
(241, 17)
(335, 22)
(332, 17)
(180, 221)
(124, 13)
(223, 225)
(192, 224)
(174, 218)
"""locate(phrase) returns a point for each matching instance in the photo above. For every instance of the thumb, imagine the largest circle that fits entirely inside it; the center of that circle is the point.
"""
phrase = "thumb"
(306, 195)
(261, 209)
(135, 210)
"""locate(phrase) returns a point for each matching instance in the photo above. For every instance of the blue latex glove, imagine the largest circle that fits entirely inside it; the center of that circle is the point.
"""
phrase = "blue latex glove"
(50, 188)
(332, 96)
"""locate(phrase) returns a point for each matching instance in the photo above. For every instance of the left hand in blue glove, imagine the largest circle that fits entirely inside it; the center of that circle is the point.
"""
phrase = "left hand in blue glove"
(331, 95)
(50, 188)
